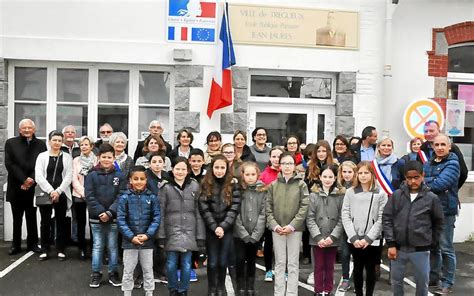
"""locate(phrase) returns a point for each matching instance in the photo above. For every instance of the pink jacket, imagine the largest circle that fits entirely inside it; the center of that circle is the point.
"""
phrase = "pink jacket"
(77, 179)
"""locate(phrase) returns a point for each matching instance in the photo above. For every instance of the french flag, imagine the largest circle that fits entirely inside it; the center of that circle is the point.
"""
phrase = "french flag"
(221, 87)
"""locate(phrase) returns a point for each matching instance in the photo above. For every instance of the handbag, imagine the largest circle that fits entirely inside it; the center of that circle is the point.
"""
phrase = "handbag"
(42, 198)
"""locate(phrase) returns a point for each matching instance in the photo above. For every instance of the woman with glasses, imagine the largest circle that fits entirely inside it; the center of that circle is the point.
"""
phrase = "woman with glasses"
(260, 149)
(214, 143)
(286, 209)
(293, 146)
(228, 150)
(340, 149)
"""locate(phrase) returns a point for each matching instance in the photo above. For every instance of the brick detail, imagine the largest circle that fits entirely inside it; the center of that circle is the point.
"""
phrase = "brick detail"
(459, 33)
(437, 64)
(442, 103)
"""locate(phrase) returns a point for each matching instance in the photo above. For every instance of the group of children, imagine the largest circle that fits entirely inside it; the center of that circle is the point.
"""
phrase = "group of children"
(227, 211)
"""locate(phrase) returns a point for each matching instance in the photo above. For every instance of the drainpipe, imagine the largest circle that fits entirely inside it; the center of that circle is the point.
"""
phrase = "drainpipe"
(391, 6)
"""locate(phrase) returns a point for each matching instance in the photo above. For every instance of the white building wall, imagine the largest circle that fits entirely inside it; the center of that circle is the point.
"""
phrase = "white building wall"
(133, 32)
(413, 22)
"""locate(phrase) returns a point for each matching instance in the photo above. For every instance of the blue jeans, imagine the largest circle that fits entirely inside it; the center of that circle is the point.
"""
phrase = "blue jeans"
(421, 265)
(445, 262)
(103, 234)
(345, 256)
(172, 263)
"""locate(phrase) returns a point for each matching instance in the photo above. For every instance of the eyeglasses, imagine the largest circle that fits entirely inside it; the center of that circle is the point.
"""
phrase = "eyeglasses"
(105, 132)
(228, 152)
(261, 135)
(340, 144)
(287, 163)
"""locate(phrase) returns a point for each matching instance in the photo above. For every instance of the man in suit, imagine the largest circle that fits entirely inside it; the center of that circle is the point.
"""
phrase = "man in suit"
(154, 128)
(20, 158)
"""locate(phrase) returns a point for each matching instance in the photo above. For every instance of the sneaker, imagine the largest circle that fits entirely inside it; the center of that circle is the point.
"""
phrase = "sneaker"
(162, 279)
(310, 280)
(43, 256)
(269, 276)
(95, 280)
(138, 283)
(114, 279)
(345, 286)
(193, 277)
(61, 256)
(443, 291)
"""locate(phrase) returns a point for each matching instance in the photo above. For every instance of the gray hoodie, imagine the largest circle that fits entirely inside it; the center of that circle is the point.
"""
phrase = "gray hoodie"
(362, 214)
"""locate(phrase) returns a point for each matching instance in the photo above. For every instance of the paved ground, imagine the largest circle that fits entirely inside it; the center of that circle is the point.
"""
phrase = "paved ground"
(71, 277)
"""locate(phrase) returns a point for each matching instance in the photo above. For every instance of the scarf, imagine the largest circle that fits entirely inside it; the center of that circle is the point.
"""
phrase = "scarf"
(386, 163)
(87, 163)
(214, 153)
(121, 158)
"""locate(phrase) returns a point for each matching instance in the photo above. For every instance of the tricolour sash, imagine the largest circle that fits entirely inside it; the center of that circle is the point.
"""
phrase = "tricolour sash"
(382, 179)
(422, 156)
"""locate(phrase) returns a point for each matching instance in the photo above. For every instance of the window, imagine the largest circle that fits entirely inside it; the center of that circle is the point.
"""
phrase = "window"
(461, 78)
(154, 100)
(114, 99)
(291, 87)
(86, 96)
(30, 97)
(72, 99)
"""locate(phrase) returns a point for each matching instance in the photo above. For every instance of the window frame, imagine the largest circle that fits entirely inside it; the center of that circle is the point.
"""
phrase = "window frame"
(93, 93)
(285, 100)
(462, 77)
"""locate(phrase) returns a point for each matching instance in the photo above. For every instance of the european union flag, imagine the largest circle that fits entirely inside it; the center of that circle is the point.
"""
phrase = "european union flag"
(203, 34)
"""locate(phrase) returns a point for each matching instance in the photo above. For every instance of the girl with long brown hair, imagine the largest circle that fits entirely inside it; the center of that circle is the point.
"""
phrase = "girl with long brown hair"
(219, 205)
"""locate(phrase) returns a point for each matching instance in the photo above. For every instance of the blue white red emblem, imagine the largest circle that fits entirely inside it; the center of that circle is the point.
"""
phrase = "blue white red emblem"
(382, 179)
(422, 156)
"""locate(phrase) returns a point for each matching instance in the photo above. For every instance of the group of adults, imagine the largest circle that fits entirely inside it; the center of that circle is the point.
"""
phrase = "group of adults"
(60, 172)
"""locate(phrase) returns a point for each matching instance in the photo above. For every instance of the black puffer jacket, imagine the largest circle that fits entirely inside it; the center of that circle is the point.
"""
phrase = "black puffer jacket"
(138, 213)
(416, 224)
(182, 227)
(216, 212)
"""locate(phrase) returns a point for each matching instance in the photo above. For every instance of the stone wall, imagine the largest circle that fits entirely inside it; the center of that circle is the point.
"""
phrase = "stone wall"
(186, 77)
(346, 88)
(3, 136)
(238, 119)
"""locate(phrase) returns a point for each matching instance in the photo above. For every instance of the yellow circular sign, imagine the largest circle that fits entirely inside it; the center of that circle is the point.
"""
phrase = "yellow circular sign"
(419, 112)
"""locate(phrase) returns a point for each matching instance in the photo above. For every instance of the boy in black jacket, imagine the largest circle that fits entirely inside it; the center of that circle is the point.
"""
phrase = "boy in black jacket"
(412, 223)
(102, 188)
